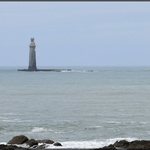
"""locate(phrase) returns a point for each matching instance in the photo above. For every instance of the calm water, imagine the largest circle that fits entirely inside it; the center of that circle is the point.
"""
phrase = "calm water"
(78, 108)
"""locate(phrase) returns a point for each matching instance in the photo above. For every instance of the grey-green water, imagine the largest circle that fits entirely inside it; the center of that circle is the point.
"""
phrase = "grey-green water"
(78, 107)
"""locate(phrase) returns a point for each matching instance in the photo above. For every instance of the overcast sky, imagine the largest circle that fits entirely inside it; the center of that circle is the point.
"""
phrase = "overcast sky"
(75, 33)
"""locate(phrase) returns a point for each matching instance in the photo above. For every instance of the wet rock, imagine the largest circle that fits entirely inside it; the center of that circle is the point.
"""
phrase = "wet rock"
(8, 147)
(34, 146)
(125, 145)
(31, 142)
(109, 147)
(57, 144)
(143, 144)
(43, 146)
(122, 144)
(18, 140)
(47, 141)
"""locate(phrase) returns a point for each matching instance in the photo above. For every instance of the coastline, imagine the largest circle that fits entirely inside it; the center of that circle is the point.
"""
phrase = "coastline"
(22, 142)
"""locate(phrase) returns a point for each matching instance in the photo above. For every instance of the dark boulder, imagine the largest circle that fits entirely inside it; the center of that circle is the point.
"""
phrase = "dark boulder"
(18, 140)
(47, 141)
(31, 142)
(57, 144)
(122, 144)
(137, 144)
(134, 145)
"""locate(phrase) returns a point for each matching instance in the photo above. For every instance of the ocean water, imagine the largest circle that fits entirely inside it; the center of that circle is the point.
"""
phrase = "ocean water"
(88, 107)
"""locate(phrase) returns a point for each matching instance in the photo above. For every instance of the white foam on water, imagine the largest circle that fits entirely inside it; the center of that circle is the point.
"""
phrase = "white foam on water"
(15, 120)
(22, 145)
(38, 129)
(65, 71)
(144, 122)
(94, 127)
(3, 143)
(41, 129)
(81, 71)
(83, 144)
(19, 145)
(89, 144)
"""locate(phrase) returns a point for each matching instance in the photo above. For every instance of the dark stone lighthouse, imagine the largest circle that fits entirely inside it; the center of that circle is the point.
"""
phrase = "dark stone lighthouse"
(32, 56)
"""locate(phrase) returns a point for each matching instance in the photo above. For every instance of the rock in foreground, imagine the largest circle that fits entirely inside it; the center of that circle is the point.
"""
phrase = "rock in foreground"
(30, 143)
(18, 140)
(125, 145)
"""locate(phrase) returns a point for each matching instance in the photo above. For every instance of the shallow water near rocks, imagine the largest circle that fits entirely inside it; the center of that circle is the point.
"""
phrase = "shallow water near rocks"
(79, 108)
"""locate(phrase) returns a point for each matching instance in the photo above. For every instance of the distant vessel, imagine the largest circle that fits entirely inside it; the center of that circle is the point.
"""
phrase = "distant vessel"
(32, 60)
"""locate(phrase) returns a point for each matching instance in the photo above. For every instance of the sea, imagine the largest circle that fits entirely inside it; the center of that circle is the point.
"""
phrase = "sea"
(87, 107)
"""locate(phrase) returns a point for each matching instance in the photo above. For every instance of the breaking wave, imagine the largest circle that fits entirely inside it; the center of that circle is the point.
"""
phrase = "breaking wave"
(39, 129)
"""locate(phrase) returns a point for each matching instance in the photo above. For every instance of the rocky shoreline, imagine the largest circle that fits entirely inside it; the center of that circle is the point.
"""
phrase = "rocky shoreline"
(22, 142)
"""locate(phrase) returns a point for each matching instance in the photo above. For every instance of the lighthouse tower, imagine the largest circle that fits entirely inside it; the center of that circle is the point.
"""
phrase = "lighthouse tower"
(32, 56)
(32, 60)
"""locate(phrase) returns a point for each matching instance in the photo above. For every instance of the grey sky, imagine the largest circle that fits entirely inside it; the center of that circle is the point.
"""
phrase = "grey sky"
(75, 33)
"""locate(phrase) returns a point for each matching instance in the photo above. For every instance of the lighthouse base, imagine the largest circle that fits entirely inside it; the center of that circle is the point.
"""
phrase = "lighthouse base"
(50, 70)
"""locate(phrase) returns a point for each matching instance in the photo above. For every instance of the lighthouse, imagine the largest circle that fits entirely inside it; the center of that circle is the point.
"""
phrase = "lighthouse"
(32, 60)
(32, 56)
